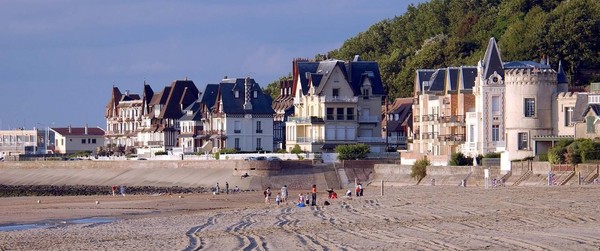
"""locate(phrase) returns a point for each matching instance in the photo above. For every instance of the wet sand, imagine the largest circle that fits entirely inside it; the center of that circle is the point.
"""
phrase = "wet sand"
(406, 218)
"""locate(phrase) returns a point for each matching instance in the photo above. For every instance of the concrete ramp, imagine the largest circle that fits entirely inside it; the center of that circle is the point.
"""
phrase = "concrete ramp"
(392, 175)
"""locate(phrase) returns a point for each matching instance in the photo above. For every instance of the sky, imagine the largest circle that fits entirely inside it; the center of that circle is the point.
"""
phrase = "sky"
(60, 58)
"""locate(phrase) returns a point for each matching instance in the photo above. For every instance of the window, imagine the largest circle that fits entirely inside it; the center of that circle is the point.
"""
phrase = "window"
(495, 133)
(529, 107)
(495, 104)
(93, 141)
(236, 93)
(89, 141)
(329, 113)
(340, 114)
(471, 133)
(590, 124)
(336, 92)
(258, 127)
(82, 141)
(258, 144)
(237, 143)
(523, 141)
(237, 128)
(568, 116)
(350, 113)
(255, 94)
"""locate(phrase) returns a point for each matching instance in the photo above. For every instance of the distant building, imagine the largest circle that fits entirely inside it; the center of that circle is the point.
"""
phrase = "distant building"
(283, 106)
(68, 140)
(336, 102)
(161, 113)
(241, 117)
(21, 141)
(123, 118)
(397, 123)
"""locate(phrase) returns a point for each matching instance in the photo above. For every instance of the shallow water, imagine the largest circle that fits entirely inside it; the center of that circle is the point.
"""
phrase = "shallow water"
(46, 224)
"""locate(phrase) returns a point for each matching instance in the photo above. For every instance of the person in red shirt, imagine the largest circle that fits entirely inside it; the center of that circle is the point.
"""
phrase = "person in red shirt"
(314, 195)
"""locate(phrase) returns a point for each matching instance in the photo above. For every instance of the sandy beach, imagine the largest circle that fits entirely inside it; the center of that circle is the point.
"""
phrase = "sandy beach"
(412, 217)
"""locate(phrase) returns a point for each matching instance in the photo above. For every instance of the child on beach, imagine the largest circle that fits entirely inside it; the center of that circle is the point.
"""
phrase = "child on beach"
(300, 198)
(267, 194)
(277, 199)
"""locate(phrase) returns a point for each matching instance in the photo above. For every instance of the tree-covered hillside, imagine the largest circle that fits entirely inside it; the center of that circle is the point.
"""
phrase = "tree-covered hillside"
(443, 33)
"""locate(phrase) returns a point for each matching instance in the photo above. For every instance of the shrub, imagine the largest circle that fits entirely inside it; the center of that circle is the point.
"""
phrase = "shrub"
(459, 159)
(228, 151)
(281, 151)
(217, 155)
(296, 149)
(354, 151)
(492, 155)
(419, 169)
(160, 153)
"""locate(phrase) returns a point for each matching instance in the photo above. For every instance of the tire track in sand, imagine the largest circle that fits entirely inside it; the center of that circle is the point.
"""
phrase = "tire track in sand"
(196, 243)
(290, 224)
(246, 241)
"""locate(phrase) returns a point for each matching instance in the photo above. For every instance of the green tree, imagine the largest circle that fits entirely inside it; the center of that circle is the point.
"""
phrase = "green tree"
(419, 169)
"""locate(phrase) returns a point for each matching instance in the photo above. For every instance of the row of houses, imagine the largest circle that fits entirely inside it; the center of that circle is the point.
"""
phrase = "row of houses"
(518, 108)
(326, 103)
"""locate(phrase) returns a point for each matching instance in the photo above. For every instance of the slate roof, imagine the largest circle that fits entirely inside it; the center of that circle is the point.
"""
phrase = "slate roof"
(182, 93)
(315, 74)
(492, 62)
(115, 96)
(452, 78)
(361, 70)
(593, 107)
(467, 77)
(209, 96)
(422, 76)
(561, 75)
(437, 81)
(260, 105)
(147, 95)
(303, 68)
(196, 114)
(78, 131)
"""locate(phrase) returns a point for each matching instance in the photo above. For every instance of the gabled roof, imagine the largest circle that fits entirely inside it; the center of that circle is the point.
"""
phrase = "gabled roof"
(594, 107)
(78, 131)
(115, 96)
(232, 105)
(130, 97)
(147, 95)
(492, 61)
(303, 69)
(209, 96)
(182, 94)
(195, 115)
(561, 75)
(324, 72)
(402, 107)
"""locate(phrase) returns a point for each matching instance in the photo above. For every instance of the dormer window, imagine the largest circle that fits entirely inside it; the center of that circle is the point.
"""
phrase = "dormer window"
(236, 93)
(255, 94)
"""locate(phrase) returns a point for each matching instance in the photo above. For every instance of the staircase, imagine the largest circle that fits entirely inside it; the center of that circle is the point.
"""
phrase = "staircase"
(591, 179)
(505, 177)
(566, 179)
(466, 178)
(523, 177)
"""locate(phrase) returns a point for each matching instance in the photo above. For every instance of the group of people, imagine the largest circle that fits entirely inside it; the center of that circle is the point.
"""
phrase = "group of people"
(121, 190)
(217, 189)
(308, 199)
(279, 198)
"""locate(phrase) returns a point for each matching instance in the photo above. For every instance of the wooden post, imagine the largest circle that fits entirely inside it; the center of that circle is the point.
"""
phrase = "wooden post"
(381, 187)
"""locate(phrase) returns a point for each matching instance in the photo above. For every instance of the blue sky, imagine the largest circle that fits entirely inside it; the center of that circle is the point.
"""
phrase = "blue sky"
(60, 58)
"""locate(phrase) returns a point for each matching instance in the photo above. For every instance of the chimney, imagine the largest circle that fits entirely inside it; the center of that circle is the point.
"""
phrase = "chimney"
(69, 128)
(281, 88)
(126, 92)
(85, 129)
(247, 92)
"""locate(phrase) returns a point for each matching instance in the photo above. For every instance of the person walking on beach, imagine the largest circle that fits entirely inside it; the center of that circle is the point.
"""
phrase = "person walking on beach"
(217, 188)
(114, 190)
(277, 199)
(314, 195)
(267, 194)
(357, 190)
(284, 193)
(226, 187)
(362, 189)
(122, 190)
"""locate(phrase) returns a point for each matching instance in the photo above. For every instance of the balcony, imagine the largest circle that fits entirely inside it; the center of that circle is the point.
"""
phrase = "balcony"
(308, 140)
(237, 131)
(340, 99)
(452, 119)
(369, 119)
(452, 138)
(370, 139)
(396, 140)
(431, 117)
(259, 131)
(306, 120)
(429, 135)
